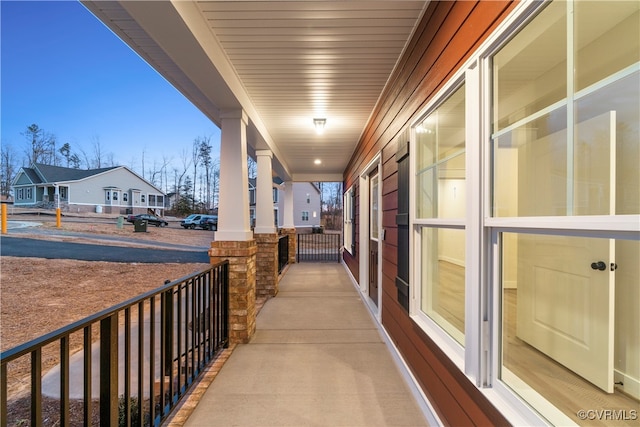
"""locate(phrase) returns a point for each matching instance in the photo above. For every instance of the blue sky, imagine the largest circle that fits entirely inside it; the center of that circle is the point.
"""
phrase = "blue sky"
(63, 70)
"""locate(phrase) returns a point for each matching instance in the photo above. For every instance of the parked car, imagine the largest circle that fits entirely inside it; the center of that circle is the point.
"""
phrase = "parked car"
(209, 222)
(151, 219)
(193, 220)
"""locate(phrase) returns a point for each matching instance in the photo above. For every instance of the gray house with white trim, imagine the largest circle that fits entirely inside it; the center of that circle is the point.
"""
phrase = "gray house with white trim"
(306, 203)
(113, 190)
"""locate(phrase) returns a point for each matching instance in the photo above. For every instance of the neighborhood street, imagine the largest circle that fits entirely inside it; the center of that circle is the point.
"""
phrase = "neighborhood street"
(37, 248)
(116, 248)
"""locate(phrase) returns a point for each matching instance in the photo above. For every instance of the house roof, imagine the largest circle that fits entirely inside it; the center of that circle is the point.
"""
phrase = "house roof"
(41, 173)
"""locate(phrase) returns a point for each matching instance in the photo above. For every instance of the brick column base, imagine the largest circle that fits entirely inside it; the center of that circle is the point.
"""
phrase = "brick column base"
(293, 243)
(242, 285)
(266, 264)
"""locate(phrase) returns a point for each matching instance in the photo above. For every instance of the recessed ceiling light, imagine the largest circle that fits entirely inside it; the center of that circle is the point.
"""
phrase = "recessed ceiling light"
(317, 161)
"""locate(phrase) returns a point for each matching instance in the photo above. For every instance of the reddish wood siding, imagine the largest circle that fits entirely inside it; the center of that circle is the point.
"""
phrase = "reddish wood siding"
(447, 35)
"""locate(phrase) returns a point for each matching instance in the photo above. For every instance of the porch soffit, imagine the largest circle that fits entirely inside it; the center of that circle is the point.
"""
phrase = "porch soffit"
(282, 62)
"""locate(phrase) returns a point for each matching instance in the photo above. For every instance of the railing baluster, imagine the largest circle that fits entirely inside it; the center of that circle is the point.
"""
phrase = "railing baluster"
(3, 395)
(179, 339)
(109, 370)
(225, 310)
(200, 320)
(36, 387)
(194, 322)
(185, 328)
(127, 367)
(140, 363)
(216, 302)
(87, 391)
(152, 359)
(163, 355)
(64, 381)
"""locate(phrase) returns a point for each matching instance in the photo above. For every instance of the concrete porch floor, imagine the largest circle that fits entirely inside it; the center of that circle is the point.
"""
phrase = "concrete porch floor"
(317, 359)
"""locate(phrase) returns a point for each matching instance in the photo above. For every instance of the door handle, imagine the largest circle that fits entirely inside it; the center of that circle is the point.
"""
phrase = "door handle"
(600, 265)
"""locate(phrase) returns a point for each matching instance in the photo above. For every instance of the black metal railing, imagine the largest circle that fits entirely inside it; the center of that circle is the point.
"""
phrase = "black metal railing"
(283, 252)
(148, 352)
(318, 247)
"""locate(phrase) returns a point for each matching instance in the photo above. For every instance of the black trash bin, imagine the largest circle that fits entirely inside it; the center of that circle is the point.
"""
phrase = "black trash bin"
(140, 225)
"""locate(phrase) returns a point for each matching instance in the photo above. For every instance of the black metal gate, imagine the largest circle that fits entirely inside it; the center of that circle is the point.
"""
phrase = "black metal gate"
(318, 247)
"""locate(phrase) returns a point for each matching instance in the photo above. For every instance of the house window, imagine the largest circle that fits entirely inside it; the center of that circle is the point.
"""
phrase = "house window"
(115, 196)
(349, 219)
(143, 198)
(125, 197)
(439, 209)
(159, 200)
(63, 192)
(308, 199)
(305, 215)
(152, 200)
(564, 205)
(108, 195)
(20, 194)
(275, 195)
(526, 267)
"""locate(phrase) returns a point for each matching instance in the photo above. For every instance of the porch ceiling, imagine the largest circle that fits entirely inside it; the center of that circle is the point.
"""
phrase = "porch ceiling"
(283, 62)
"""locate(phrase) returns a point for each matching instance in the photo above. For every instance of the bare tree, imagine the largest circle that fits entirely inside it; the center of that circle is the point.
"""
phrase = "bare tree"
(195, 159)
(164, 178)
(97, 153)
(204, 157)
(41, 146)
(180, 174)
(65, 150)
(84, 158)
(215, 181)
(7, 168)
(252, 167)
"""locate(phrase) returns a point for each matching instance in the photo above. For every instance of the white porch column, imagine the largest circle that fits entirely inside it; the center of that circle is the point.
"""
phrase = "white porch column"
(233, 206)
(287, 221)
(265, 220)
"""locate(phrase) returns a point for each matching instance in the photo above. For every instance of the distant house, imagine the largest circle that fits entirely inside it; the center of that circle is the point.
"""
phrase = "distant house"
(114, 190)
(306, 203)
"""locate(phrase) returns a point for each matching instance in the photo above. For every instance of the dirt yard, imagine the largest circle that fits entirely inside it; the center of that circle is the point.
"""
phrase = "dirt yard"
(38, 296)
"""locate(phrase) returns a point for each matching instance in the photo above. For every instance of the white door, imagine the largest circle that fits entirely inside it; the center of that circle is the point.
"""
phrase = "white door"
(566, 285)
(566, 305)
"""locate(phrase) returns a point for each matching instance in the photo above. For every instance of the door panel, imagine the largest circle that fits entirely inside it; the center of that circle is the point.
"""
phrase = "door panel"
(565, 300)
(566, 306)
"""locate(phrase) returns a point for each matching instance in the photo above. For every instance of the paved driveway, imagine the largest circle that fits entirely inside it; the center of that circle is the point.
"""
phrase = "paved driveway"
(25, 247)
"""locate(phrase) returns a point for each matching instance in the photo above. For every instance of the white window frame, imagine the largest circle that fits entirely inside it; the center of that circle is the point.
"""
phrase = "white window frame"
(447, 344)
(348, 224)
(480, 358)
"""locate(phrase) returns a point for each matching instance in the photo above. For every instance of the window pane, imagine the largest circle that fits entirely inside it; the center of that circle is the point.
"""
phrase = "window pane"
(374, 207)
(566, 322)
(529, 73)
(607, 39)
(541, 165)
(530, 168)
(607, 156)
(443, 279)
(440, 164)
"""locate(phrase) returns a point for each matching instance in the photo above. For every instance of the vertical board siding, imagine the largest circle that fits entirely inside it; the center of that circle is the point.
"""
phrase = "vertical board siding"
(448, 34)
